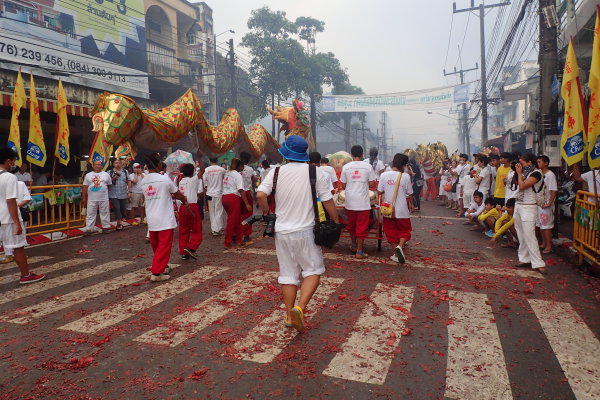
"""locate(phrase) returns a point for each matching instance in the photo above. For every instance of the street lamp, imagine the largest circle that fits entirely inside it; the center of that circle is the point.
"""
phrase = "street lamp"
(216, 106)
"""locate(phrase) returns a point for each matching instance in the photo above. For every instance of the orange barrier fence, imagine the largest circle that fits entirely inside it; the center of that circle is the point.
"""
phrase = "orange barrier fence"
(55, 208)
(586, 232)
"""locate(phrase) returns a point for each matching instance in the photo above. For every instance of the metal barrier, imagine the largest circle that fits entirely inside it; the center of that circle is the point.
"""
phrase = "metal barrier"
(586, 232)
(55, 208)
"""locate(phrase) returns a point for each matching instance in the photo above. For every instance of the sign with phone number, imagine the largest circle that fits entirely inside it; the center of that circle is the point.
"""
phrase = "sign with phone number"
(98, 73)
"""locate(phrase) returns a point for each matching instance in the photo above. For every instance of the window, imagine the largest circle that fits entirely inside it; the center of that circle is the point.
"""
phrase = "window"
(155, 26)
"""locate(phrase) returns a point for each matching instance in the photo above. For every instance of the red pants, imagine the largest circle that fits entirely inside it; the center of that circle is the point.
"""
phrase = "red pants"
(232, 205)
(358, 223)
(161, 242)
(396, 229)
(190, 228)
(432, 189)
(246, 229)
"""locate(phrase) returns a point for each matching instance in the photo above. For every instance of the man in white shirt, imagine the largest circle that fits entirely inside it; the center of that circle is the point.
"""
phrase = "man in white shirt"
(159, 192)
(249, 180)
(297, 253)
(356, 178)
(23, 199)
(213, 182)
(95, 196)
(12, 231)
(588, 179)
(190, 219)
(137, 195)
(484, 178)
(23, 174)
(545, 215)
(475, 209)
(329, 170)
(376, 164)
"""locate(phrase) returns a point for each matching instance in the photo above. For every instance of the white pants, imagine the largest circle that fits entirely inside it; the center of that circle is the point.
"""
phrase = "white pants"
(9, 240)
(90, 217)
(216, 214)
(529, 250)
(298, 255)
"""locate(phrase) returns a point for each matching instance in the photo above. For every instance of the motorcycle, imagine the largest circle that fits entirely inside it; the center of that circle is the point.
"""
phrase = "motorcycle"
(566, 199)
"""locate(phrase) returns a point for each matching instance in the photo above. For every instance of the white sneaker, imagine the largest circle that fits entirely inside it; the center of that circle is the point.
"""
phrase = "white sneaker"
(159, 278)
(400, 255)
(394, 258)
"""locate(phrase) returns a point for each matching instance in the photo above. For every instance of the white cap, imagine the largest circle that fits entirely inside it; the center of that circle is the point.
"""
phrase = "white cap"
(136, 165)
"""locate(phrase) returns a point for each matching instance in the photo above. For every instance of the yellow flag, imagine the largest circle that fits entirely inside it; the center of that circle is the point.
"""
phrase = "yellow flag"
(62, 151)
(594, 84)
(36, 148)
(573, 140)
(18, 101)
(101, 149)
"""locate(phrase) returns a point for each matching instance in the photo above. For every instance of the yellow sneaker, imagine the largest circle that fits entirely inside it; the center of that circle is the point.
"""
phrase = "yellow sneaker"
(135, 222)
(7, 259)
(144, 221)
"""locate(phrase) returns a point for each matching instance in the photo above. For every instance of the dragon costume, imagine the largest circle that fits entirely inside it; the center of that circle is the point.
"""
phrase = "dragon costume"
(121, 124)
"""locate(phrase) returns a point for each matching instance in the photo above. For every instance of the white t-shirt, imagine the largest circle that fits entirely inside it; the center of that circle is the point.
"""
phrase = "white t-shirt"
(190, 187)
(136, 187)
(588, 178)
(247, 175)
(293, 196)
(23, 192)
(478, 208)
(97, 183)
(158, 202)
(378, 167)
(357, 175)
(23, 177)
(327, 177)
(263, 173)
(8, 190)
(509, 193)
(233, 183)
(213, 179)
(551, 183)
(468, 184)
(387, 185)
(529, 194)
(331, 172)
(484, 185)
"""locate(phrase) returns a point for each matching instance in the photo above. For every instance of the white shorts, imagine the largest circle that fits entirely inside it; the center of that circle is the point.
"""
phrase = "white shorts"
(545, 218)
(9, 239)
(467, 197)
(298, 255)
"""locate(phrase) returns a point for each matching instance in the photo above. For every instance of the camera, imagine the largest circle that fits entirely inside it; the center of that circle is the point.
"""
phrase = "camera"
(269, 219)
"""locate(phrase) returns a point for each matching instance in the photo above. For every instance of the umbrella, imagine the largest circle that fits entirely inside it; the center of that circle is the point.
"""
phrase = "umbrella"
(177, 158)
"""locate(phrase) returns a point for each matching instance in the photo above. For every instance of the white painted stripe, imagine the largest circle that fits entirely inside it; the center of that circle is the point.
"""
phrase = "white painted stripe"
(44, 269)
(46, 284)
(126, 309)
(30, 260)
(575, 346)
(368, 353)
(267, 339)
(191, 322)
(409, 263)
(475, 367)
(79, 296)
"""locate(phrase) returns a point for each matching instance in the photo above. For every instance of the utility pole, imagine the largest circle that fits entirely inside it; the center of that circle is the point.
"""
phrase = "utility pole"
(383, 138)
(484, 100)
(464, 119)
(231, 64)
(548, 60)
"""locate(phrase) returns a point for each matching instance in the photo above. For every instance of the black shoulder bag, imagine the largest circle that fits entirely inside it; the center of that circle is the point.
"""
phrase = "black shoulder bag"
(327, 233)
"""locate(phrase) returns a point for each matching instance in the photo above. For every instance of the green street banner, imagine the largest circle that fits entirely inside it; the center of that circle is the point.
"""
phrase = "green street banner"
(396, 101)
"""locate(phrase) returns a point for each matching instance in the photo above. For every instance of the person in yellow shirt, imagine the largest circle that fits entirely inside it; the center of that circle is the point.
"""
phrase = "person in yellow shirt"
(501, 174)
(505, 225)
(487, 219)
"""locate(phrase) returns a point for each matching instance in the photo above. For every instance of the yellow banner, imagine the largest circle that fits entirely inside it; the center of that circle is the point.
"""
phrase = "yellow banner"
(100, 151)
(573, 140)
(36, 148)
(594, 113)
(62, 151)
(18, 101)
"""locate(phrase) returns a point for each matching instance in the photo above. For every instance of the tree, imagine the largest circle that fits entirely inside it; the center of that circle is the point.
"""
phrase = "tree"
(308, 28)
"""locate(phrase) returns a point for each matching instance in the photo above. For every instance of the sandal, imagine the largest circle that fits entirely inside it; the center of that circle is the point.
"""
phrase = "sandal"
(353, 249)
(287, 323)
(361, 255)
(546, 251)
(297, 318)
(119, 227)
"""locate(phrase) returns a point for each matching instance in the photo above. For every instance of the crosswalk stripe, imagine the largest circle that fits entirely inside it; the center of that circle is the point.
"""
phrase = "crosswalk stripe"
(573, 343)
(44, 269)
(191, 322)
(125, 309)
(79, 296)
(368, 353)
(475, 367)
(30, 260)
(410, 263)
(38, 287)
(267, 339)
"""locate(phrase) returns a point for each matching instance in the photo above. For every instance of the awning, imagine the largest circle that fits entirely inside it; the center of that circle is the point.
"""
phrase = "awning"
(76, 110)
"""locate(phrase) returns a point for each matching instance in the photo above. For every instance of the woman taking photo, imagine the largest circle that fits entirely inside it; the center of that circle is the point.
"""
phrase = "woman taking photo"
(530, 181)
(397, 228)
(233, 196)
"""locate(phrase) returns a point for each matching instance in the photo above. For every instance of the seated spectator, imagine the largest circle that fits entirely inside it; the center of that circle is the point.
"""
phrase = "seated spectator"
(475, 209)
(505, 226)
(487, 219)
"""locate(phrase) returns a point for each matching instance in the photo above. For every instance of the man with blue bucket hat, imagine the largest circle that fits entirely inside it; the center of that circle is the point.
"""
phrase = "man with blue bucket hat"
(300, 259)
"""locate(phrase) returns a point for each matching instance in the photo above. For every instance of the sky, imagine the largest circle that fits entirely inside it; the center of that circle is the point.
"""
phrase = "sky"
(386, 46)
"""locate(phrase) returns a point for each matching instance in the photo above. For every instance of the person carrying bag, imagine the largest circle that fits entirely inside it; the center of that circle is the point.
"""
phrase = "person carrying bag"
(327, 232)
(387, 210)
